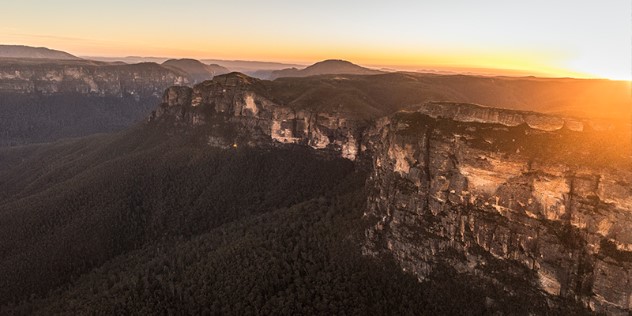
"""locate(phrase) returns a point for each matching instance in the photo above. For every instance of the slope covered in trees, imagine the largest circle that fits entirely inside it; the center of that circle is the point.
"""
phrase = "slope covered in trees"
(153, 221)
(36, 118)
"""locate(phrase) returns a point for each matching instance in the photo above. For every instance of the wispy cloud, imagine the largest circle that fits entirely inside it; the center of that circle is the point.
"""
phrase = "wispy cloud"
(11, 32)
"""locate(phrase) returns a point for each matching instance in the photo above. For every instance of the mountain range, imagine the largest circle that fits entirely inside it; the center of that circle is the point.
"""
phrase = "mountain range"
(21, 51)
(326, 67)
(244, 66)
(195, 69)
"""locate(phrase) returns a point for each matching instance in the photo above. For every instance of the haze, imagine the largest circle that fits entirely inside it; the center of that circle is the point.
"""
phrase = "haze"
(546, 38)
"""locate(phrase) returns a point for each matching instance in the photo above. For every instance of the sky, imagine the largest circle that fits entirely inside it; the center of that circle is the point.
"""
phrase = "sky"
(580, 38)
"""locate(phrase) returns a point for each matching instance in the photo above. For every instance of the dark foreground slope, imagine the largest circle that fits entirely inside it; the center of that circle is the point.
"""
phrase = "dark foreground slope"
(36, 118)
(154, 221)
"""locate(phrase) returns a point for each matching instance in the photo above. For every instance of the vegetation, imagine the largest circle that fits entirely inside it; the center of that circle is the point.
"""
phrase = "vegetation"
(149, 221)
(43, 118)
(383, 94)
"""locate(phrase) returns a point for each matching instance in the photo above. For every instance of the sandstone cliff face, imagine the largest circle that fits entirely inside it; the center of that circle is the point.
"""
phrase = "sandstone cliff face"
(480, 114)
(537, 203)
(102, 80)
(238, 110)
(482, 186)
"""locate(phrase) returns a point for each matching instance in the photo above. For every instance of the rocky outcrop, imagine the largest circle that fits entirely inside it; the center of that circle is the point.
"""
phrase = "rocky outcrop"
(491, 193)
(236, 110)
(475, 113)
(83, 77)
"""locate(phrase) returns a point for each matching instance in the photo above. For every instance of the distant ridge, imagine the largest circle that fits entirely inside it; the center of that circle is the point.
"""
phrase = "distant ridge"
(326, 67)
(250, 66)
(244, 66)
(195, 69)
(21, 51)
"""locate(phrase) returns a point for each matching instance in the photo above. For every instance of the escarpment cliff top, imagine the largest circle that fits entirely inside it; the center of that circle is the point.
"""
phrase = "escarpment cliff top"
(324, 94)
(48, 77)
(334, 112)
(375, 96)
(466, 112)
(371, 96)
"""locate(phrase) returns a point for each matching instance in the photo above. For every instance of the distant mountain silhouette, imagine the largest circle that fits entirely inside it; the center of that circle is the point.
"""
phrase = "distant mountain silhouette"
(326, 67)
(20, 51)
(250, 66)
(245, 66)
(195, 69)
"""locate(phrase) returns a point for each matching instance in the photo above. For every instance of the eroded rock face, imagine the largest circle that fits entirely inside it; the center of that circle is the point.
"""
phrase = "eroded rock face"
(102, 80)
(481, 114)
(239, 108)
(473, 194)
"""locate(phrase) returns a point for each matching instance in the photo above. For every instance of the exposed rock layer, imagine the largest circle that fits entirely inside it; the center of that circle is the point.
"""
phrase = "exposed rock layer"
(86, 78)
(539, 201)
(238, 110)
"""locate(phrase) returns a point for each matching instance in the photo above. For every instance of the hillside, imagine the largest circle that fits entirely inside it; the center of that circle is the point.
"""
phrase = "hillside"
(20, 51)
(245, 66)
(386, 93)
(249, 66)
(195, 70)
(326, 67)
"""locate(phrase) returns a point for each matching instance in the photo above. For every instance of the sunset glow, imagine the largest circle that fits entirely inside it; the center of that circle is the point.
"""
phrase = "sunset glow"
(544, 38)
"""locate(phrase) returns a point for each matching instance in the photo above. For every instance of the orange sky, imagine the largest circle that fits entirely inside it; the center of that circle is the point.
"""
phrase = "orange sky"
(553, 38)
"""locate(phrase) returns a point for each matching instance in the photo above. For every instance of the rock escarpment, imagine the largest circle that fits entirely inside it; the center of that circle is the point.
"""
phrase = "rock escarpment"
(237, 110)
(45, 100)
(541, 205)
(493, 195)
(49, 78)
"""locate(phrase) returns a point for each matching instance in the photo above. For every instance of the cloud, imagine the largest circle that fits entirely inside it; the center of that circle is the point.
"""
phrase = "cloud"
(10, 33)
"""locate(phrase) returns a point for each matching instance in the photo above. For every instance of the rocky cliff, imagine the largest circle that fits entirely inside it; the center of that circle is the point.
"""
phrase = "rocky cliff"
(540, 204)
(507, 196)
(44, 100)
(237, 110)
(85, 77)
